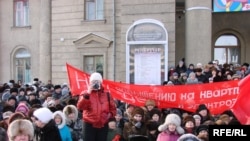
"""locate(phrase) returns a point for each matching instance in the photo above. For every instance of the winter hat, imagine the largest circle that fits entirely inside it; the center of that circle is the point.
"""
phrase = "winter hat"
(150, 102)
(225, 118)
(22, 107)
(15, 116)
(187, 119)
(152, 125)
(188, 137)
(57, 87)
(175, 74)
(7, 114)
(197, 116)
(201, 128)
(155, 111)
(95, 76)
(62, 115)
(70, 109)
(43, 114)
(14, 90)
(201, 107)
(174, 119)
(138, 110)
(20, 126)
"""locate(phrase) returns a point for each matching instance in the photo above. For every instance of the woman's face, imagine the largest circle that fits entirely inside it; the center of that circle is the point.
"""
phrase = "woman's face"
(203, 113)
(171, 127)
(156, 117)
(22, 137)
(189, 124)
(58, 119)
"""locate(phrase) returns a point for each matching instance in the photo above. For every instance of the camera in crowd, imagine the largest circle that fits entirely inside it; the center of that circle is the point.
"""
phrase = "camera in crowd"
(96, 86)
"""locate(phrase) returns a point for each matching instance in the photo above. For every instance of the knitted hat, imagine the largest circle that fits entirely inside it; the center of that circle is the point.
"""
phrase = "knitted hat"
(150, 102)
(95, 76)
(43, 114)
(22, 107)
(201, 107)
(174, 119)
(188, 137)
(187, 119)
(20, 126)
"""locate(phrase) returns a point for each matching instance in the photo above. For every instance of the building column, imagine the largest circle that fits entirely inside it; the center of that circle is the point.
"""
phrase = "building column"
(198, 15)
(45, 41)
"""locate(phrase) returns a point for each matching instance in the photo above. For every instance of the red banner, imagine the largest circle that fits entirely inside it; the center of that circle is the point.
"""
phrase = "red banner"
(218, 97)
(241, 108)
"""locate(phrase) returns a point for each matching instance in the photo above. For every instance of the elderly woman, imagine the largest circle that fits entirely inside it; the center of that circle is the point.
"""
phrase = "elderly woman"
(21, 130)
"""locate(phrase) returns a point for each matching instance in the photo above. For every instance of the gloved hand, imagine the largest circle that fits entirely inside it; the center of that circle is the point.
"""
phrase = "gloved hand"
(138, 125)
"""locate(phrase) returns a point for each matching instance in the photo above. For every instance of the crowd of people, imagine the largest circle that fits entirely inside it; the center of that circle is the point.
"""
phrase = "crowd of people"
(48, 112)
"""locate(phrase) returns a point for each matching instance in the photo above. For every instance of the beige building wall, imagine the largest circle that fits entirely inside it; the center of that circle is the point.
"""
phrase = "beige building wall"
(13, 38)
(68, 25)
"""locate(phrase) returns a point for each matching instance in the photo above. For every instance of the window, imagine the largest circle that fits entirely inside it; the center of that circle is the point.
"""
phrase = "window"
(93, 64)
(22, 65)
(227, 50)
(94, 9)
(21, 13)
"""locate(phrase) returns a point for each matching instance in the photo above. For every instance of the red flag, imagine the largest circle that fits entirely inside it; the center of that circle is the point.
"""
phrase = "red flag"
(241, 108)
(78, 80)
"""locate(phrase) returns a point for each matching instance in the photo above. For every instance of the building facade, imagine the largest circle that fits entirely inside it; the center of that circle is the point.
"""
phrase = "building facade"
(128, 41)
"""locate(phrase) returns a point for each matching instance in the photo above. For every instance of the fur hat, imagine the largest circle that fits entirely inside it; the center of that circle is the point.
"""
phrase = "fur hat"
(7, 114)
(95, 76)
(152, 125)
(63, 118)
(15, 116)
(20, 126)
(150, 102)
(174, 119)
(68, 110)
(155, 111)
(22, 107)
(188, 137)
(137, 110)
(43, 114)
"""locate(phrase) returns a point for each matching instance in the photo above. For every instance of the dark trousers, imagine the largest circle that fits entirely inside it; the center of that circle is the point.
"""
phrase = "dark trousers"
(94, 134)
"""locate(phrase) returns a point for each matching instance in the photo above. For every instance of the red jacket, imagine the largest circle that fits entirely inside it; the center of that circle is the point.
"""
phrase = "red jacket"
(97, 108)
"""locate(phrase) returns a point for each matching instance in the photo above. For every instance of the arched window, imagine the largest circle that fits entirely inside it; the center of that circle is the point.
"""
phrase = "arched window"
(227, 49)
(22, 65)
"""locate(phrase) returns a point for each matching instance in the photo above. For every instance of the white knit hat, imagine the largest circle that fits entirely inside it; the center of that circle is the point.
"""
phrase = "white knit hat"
(43, 114)
(95, 76)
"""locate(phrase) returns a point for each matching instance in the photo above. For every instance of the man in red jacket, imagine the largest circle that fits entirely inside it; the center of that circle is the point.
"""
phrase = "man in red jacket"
(97, 106)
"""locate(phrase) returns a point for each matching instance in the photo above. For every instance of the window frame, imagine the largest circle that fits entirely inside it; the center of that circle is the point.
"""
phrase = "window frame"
(94, 63)
(98, 11)
(21, 14)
